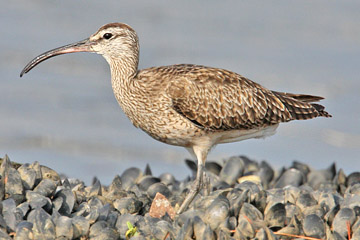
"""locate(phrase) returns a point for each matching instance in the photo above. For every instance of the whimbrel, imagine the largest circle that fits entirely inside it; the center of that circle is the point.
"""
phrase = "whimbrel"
(186, 105)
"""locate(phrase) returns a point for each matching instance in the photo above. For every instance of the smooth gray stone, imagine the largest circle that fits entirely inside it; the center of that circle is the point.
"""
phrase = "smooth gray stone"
(292, 177)
(275, 215)
(217, 212)
(232, 170)
(127, 205)
(130, 176)
(314, 226)
(342, 217)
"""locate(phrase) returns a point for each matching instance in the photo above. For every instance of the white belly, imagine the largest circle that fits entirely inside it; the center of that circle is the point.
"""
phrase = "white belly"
(239, 135)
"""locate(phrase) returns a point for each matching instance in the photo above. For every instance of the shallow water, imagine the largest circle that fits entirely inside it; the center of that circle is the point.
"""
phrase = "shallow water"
(63, 113)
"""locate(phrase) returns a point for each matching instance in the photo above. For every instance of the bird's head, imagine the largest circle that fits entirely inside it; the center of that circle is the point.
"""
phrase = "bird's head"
(115, 41)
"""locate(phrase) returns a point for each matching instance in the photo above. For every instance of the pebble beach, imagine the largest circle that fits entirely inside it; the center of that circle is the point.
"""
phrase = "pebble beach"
(90, 179)
(248, 200)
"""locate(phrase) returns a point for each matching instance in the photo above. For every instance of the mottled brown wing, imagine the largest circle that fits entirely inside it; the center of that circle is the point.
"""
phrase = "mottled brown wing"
(217, 99)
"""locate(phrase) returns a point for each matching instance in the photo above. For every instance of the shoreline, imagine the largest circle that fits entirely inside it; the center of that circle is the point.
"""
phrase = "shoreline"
(248, 199)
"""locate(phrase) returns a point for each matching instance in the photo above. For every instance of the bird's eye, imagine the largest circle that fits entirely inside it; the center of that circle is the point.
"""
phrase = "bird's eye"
(107, 35)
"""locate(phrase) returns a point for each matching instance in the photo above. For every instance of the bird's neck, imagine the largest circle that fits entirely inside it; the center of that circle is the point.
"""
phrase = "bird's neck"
(124, 67)
(124, 83)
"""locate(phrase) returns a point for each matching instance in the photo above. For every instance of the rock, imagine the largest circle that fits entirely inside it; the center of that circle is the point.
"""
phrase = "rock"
(202, 230)
(158, 188)
(245, 229)
(121, 223)
(342, 217)
(24, 231)
(13, 186)
(80, 227)
(217, 212)
(28, 176)
(130, 176)
(48, 173)
(187, 230)
(49, 207)
(37, 200)
(167, 179)
(101, 230)
(146, 181)
(353, 178)
(275, 215)
(304, 200)
(64, 227)
(43, 226)
(161, 206)
(127, 205)
(314, 226)
(68, 201)
(251, 212)
(8, 212)
(232, 170)
(292, 177)
(46, 187)
(95, 189)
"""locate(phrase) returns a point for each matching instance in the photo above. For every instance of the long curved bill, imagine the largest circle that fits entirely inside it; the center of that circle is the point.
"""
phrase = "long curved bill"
(81, 46)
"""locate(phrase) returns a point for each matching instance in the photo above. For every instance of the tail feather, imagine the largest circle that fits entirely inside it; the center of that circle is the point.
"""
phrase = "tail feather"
(301, 106)
(321, 110)
(301, 97)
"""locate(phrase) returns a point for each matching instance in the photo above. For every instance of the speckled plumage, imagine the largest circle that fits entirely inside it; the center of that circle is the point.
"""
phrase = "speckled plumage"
(188, 105)
(201, 100)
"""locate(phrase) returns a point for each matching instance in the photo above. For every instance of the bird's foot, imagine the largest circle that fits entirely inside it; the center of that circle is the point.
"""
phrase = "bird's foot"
(194, 190)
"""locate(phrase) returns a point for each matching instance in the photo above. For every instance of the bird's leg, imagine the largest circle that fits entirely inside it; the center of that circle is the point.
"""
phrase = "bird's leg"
(195, 187)
(206, 184)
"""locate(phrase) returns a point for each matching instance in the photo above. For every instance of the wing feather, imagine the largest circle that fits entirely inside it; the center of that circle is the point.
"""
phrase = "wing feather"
(217, 99)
